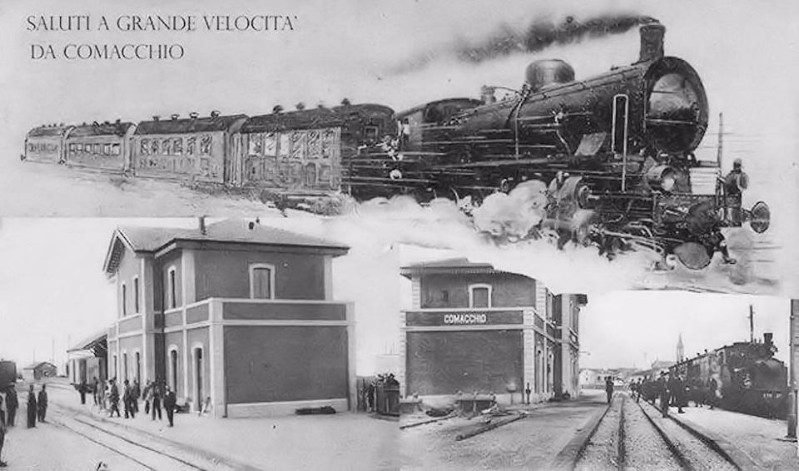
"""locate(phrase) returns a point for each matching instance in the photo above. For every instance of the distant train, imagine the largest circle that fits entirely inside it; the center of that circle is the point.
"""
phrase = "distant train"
(607, 160)
(749, 378)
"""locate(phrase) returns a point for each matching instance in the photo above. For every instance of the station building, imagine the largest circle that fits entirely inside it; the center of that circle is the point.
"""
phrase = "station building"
(473, 329)
(234, 315)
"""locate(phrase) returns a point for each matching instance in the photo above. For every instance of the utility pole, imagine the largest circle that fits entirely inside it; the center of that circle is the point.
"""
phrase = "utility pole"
(751, 324)
(793, 364)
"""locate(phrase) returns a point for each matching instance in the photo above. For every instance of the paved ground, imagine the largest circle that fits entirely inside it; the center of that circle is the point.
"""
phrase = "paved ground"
(341, 441)
(761, 439)
(530, 443)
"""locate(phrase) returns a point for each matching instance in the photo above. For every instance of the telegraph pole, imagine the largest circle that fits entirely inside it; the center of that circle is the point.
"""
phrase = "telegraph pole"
(751, 324)
(792, 367)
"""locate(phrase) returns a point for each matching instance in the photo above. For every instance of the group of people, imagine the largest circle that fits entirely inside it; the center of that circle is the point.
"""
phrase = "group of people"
(107, 396)
(36, 411)
(672, 390)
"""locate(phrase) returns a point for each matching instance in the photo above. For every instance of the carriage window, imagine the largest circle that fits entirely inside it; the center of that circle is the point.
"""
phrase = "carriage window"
(72, 147)
(107, 149)
(144, 147)
(370, 134)
(155, 146)
(177, 146)
(167, 146)
(190, 145)
(205, 145)
(479, 296)
(115, 149)
(262, 281)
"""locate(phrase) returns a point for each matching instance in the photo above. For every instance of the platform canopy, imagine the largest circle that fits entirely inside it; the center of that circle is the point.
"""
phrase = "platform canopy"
(96, 344)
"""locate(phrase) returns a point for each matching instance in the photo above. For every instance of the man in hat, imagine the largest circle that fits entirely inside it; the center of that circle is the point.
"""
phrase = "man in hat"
(12, 403)
(31, 408)
(42, 403)
(663, 392)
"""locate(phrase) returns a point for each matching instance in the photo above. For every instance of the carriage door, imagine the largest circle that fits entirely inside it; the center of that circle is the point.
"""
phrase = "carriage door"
(621, 107)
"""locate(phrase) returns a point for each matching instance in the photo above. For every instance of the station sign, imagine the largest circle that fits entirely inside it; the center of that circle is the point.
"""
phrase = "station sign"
(463, 318)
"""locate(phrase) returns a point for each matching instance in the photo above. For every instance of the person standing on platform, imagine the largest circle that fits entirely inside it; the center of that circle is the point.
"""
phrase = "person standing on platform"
(147, 395)
(156, 406)
(127, 400)
(42, 403)
(31, 408)
(712, 386)
(663, 392)
(609, 387)
(170, 401)
(136, 394)
(12, 404)
(113, 397)
(3, 464)
(96, 391)
(677, 391)
(82, 390)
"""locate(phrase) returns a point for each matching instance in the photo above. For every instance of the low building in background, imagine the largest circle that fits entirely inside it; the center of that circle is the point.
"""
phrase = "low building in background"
(38, 370)
(474, 329)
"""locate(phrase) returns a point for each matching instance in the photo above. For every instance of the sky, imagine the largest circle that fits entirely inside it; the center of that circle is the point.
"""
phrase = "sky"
(746, 55)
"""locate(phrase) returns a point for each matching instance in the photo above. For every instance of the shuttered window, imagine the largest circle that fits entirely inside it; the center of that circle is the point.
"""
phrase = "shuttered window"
(262, 281)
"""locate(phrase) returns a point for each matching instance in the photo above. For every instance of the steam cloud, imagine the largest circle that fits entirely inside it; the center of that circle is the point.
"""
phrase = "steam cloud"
(537, 36)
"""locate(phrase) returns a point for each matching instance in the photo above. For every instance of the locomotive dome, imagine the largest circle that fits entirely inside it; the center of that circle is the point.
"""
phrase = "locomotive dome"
(543, 73)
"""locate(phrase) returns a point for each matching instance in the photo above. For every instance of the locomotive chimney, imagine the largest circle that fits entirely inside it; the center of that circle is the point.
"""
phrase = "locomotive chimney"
(651, 41)
(768, 338)
(214, 114)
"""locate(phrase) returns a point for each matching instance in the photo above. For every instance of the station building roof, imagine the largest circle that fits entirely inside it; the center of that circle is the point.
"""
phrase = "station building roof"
(158, 240)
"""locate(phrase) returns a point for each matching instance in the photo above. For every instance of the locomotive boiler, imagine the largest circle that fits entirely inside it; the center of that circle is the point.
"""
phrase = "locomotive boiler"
(614, 152)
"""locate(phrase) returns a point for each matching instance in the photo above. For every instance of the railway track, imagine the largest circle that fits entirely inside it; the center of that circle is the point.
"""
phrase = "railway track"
(634, 435)
(141, 451)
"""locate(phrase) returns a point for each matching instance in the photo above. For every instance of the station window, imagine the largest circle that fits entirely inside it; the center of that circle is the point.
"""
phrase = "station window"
(136, 294)
(480, 296)
(124, 300)
(172, 289)
(173, 369)
(262, 281)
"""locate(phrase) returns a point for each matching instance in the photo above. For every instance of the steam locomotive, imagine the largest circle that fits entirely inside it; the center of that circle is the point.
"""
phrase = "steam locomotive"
(749, 379)
(606, 160)
(609, 159)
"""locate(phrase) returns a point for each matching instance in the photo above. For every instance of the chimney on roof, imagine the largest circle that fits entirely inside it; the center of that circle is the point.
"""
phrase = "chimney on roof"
(345, 102)
(251, 225)
(194, 115)
(106, 122)
(277, 109)
(156, 118)
(95, 123)
(300, 106)
(215, 114)
(175, 116)
(768, 338)
(201, 222)
(118, 121)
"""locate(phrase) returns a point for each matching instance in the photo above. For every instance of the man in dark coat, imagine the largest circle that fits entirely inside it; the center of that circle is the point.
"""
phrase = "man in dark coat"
(113, 397)
(609, 387)
(663, 393)
(127, 400)
(82, 390)
(156, 405)
(712, 386)
(677, 391)
(3, 464)
(170, 402)
(96, 391)
(31, 408)
(135, 395)
(12, 404)
(42, 403)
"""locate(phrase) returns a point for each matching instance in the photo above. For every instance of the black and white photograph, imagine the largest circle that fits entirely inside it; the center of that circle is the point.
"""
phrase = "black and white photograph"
(408, 234)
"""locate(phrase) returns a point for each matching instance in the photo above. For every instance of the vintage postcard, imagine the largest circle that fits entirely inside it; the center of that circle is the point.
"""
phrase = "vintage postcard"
(398, 234)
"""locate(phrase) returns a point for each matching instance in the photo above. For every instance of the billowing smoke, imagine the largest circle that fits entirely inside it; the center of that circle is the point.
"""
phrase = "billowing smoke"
(534, 37)
(512, 216)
